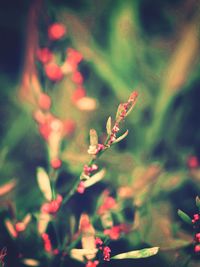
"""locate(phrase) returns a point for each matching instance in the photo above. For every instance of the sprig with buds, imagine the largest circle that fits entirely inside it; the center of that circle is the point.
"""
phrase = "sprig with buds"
(195, 223)
(96, 149)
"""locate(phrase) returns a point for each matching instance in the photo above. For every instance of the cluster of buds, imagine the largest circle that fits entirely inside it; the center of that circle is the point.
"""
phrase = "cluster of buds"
(48, 245)
(108, 204)
(123, 110)
(55, 72)
(53, 206)
(196, 226)
(105, 249)
(87, 170)
(115, 232)
(95, 149)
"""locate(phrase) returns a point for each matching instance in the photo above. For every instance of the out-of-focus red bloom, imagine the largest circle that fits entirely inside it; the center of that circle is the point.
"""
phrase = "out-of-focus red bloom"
(53, 72)
(92, 263)
(115, 231)
(44, 55)
(108, 204)
(74, 56)
(197, 248)
(192, 162)
(69, 127)
(56, 163)
(53, 206)
(78, 94)
(47, 242)
(106, 253)
(56, 31)
(20, 227)
(44, 101)
(77, 77)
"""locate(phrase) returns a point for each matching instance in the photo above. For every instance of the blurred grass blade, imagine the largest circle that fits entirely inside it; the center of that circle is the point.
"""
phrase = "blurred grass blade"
(44, 183)
(109, 126)
(184, 217)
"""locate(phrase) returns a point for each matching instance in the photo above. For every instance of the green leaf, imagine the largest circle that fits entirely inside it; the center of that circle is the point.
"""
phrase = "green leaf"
(93, 137)
(44, 183)
(121, 137)
(109, 126)
(137, 254)
(198, 202)
(184, 217)
(95, 178)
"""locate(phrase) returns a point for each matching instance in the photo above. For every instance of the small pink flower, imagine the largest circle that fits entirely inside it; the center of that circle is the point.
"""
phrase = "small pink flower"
(106, 253)
(81, 188)
(53, 206)
(98, 241)
(56, 31)
(196, 217)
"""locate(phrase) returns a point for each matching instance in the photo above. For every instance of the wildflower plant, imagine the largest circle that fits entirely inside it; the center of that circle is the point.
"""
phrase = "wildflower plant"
(87, 191)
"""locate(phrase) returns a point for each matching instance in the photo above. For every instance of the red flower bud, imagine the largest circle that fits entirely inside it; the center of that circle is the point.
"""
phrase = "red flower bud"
(56, 31)
(53, 72)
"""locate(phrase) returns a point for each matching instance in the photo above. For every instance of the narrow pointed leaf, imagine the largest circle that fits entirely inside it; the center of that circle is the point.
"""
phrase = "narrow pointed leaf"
(93, 137)
(95, 178)
(109, 126)
(198, 202)
(44, 183)
(121, 137)
(184, 217)
(137, 254)
(30, 262)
